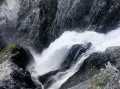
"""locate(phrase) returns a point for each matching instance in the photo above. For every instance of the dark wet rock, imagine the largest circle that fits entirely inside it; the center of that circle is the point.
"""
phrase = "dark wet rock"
(74, 53)
(22, 57)
(45, 77)
(48, 10)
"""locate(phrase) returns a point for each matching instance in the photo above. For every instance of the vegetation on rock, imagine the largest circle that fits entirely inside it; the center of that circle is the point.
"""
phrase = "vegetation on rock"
(7, 52)
(16, 54)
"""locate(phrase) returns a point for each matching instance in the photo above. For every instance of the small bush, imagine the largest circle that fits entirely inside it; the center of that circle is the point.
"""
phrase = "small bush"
(99, 79)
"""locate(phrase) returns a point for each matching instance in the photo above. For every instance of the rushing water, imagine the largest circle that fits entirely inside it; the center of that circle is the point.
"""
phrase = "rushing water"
(52, 57)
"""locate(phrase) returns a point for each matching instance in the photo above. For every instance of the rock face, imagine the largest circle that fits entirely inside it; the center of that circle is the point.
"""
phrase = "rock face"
(98, 60)
(13, 61)
(17, 55)
(114, 56)
(13, 77)
(92, 66)
(107, 79)
(21, 57)
(39, 22)
(74, 53)
(8, 19)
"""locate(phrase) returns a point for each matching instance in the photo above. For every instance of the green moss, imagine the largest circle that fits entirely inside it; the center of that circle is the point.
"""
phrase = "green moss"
(8, 48)
(7, 52)
(99, 79)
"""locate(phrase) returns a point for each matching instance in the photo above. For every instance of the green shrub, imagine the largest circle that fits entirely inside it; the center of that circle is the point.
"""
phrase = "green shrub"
(99, 79)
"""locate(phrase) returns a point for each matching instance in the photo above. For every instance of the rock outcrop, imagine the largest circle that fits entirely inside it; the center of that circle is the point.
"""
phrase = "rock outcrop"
(92, 66)
(17, 55)
(74, 53)
(107, 79)
(13, 75)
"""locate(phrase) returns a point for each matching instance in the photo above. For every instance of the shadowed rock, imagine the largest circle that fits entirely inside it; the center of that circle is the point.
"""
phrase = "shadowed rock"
(2, 43)
(74, 53)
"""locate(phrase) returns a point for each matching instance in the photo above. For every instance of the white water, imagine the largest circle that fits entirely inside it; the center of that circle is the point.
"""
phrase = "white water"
(52, 57)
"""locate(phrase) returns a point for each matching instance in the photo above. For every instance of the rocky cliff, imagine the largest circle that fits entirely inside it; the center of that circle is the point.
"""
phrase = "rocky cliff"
(34, 24)
(38, 22)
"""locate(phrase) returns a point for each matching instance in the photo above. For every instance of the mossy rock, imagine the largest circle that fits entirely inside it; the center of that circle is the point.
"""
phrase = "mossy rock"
(100, 78)
(7, 52)
(9, 48)
(16, 54)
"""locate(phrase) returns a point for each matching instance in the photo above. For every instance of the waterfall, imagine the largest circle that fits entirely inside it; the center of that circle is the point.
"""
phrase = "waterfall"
(52, 57)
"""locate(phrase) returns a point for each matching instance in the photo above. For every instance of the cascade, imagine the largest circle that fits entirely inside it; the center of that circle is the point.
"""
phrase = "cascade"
(53, 56)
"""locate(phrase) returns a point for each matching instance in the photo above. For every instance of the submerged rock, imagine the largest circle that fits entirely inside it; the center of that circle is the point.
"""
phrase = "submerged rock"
(45, 78)
(74, 53)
